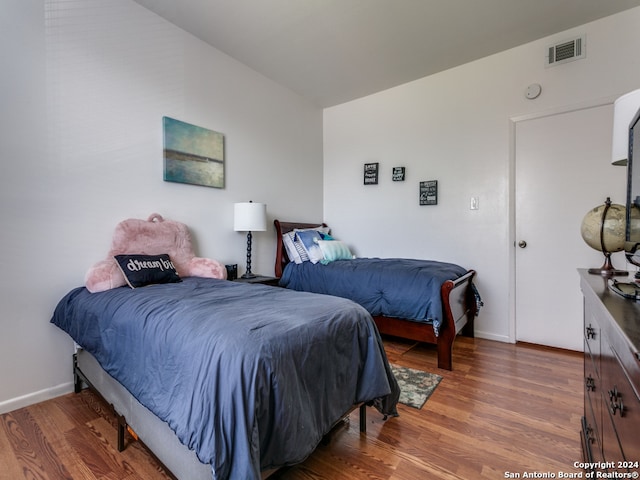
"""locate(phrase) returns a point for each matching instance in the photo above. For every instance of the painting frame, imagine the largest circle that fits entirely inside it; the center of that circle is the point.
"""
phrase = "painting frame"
(193, 155)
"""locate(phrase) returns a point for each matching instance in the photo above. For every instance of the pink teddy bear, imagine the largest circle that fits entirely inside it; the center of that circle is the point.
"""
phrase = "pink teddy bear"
(154, 236)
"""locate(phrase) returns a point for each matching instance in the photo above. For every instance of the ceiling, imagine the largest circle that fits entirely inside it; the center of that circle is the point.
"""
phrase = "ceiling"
(334, 51)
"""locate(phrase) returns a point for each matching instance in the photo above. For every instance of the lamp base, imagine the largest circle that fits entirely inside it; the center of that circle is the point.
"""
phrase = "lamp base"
(248, 273)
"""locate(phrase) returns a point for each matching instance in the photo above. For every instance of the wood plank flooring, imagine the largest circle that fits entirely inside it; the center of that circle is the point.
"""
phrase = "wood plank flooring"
(505, 409)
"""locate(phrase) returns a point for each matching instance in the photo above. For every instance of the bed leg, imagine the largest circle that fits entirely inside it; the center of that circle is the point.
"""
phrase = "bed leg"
(77, 375)
(445, 353)
(363, 418)
(472, 310)
(122, 426)
(469, 330)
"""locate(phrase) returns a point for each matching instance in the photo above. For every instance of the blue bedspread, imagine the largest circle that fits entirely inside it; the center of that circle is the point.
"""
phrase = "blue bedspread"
(249, 376)
(393, 287)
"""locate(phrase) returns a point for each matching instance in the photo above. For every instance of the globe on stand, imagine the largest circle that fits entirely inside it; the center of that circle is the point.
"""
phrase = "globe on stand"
(603, 229)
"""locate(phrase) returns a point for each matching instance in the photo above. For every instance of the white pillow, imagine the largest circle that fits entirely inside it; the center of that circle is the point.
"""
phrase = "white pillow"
(288, 242)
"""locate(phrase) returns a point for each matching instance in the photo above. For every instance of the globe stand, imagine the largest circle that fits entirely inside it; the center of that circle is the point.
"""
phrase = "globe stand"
(607, 269)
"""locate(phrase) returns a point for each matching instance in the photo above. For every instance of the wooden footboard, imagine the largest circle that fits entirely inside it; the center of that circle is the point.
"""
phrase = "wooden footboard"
(459, 307)
(459, 311)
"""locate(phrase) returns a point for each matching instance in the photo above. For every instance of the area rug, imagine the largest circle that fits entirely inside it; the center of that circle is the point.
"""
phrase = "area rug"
(416, 386)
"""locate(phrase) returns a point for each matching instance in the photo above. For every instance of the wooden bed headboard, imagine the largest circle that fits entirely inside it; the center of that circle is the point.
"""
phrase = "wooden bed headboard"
(281, 253)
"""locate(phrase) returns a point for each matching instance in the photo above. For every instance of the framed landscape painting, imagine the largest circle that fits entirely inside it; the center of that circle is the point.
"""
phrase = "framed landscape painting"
(192, 154)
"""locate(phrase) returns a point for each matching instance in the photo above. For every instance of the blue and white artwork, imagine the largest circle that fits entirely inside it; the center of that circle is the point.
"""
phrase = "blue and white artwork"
(192, 154)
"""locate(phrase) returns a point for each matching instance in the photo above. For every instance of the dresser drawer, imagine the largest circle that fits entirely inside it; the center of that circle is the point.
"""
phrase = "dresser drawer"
(622, 404)
(592, 379)
(592, 405)
(592, 334)
(591, 434)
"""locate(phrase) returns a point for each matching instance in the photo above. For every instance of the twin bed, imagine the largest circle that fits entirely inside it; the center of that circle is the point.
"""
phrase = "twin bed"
(419, 300)
(249, 378)
(228, 380)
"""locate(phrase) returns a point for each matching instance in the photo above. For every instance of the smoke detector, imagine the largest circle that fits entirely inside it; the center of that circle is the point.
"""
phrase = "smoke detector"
(566, 51)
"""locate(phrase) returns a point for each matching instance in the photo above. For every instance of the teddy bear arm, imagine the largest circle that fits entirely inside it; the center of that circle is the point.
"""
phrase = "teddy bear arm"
(104, 275)
(207, 268)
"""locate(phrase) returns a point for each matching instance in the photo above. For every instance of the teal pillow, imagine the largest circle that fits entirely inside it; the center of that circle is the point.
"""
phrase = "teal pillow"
(334, 250)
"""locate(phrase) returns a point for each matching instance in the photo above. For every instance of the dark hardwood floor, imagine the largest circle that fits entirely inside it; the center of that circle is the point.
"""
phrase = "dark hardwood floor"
(504, 409)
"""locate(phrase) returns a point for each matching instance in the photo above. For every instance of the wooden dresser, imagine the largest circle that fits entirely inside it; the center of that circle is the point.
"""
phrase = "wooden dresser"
(611, 423)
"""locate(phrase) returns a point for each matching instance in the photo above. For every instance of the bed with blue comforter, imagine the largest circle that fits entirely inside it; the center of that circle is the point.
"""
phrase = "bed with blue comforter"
(250, 377)
(424, 300)
(392, 287)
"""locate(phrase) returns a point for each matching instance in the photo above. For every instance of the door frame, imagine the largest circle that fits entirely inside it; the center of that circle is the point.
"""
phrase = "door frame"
(513, 121)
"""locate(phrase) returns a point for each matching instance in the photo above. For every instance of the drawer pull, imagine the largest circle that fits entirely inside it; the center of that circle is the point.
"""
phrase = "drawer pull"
(617, 406)
(615, 402)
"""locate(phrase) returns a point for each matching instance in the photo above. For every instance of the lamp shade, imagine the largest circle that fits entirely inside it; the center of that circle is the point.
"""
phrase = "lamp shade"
(624, 108)
(250, 217)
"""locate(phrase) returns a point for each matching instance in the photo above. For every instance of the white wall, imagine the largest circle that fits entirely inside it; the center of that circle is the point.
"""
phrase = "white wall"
(83, 91)
(454, 127)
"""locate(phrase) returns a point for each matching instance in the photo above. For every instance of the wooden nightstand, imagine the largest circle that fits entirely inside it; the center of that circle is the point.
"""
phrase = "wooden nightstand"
(260, 279)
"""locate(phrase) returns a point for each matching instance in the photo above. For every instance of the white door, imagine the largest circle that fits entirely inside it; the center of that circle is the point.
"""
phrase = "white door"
(562, 170)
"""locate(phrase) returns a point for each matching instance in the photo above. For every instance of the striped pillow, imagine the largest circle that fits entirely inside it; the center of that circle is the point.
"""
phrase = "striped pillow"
(295, 249)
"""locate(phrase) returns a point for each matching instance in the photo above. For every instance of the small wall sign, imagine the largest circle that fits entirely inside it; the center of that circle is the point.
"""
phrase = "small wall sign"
(398, 174)
(429, 192)
(371, 173)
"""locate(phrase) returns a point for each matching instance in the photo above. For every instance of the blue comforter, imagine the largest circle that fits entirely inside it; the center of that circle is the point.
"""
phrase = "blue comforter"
(249, 376)
(393, 287)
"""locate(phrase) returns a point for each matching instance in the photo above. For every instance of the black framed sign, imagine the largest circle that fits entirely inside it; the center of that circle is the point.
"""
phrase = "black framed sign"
(398, 174)
(371, 173)
(429, 192)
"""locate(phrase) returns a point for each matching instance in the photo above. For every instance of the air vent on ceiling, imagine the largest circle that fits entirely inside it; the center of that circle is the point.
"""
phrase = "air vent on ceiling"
(566, 51)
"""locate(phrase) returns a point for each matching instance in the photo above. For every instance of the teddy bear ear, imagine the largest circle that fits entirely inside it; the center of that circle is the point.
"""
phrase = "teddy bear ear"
(155, 217)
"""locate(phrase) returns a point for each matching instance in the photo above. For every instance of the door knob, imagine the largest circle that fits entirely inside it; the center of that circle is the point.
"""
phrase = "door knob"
(522, 244)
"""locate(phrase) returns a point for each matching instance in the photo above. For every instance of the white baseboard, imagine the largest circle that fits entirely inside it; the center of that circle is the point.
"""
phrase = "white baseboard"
(35, 397)
(492, 336)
